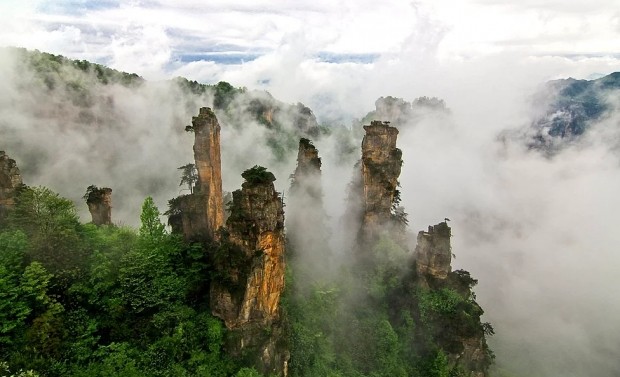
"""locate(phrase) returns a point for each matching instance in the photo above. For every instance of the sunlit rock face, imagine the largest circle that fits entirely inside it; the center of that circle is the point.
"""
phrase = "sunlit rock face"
(209, 166)
(251, 275)
(381, 165)
(10, 181)
(433, 253)
(99, 201)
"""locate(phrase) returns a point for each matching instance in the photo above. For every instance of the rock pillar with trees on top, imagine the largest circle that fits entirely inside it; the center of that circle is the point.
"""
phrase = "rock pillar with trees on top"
(99, 201)
(209, 168)
(249, 273)
(380, 168)
(200, 214)
(433, 253)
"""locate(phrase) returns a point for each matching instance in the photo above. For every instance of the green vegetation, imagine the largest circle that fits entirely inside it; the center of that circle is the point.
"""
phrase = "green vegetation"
(224, 95)
(373, 321)
(189, 176)
(258, 175)
(81, 300)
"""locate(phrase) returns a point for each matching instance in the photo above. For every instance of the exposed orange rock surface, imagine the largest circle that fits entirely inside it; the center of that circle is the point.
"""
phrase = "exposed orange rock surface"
(247, 296)
(209, 166)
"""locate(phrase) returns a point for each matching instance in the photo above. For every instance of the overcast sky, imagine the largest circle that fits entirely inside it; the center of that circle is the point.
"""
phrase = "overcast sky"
(322, 44)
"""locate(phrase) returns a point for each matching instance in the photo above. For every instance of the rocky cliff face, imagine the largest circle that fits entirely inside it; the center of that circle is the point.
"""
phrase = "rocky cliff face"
(187, 217)
(208, 164)
(10, 181)
(433, 253)
(381, 164)
(250, 270)
(458, 331)
(99, 201)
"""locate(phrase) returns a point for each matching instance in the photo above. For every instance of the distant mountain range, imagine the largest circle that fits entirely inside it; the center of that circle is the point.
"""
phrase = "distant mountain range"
(567, 108)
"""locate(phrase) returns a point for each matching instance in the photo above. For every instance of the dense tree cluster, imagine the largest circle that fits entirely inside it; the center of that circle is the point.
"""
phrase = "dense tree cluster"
(82, 300)
(378, 322)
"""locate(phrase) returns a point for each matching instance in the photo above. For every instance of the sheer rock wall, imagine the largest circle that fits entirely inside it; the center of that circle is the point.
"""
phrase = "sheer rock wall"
(433, 253)
(209, 166)
(381, 165)
(247, 297)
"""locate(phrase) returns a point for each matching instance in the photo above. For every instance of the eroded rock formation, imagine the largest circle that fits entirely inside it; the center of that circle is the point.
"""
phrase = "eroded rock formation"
(306, 218)
(10, 181)
(433, 253)
(458, 331)
(99, 201)
(208, 164)
(381, 165)
(187, 216)
(250, 267)
(307, 176)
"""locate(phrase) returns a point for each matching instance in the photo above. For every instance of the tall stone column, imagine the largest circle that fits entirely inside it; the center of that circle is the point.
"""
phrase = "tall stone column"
(381, 165)
(208, 193)
(250, 271)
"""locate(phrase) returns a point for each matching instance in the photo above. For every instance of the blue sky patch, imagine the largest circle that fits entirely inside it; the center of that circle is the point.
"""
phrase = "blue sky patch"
(76, 6)
(333, 57)
(219, 57)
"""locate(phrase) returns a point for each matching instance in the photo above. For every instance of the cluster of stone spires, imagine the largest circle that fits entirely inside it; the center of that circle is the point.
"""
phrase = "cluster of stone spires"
(248, 299)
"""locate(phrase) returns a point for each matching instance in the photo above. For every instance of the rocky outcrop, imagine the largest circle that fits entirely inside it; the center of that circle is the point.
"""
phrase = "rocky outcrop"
(381, 165)
(99, 201)
(306, 218)
(208, 164)
(250, 268)
(186, 216)
(458, 330)
(307, 176)
(10, 181)
(433, 253)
